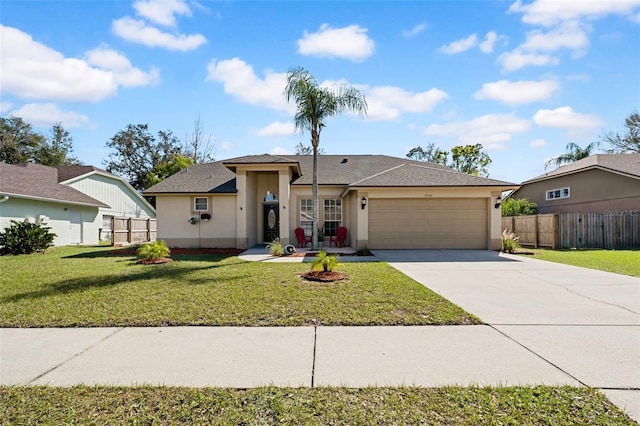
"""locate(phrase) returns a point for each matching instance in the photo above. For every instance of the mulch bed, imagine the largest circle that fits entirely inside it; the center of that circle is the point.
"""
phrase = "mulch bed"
(322, 276)
(178, 250)
(155, 261)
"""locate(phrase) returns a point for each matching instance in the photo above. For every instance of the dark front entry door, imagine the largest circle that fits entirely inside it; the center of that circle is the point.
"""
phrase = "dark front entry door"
(271, 222)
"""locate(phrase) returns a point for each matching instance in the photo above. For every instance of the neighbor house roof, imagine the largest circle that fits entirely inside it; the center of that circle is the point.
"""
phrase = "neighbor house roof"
(69, 172)
(339, 170)
(35, 181)
(626, 164)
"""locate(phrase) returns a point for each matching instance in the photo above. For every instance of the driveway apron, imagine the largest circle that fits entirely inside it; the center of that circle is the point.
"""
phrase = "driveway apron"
(584, 322)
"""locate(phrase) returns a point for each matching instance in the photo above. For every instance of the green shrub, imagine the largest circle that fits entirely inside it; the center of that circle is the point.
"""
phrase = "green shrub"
(325, 262)
(154, 250)
(509, 241)
(518, 207)
(275, 247)
(25, 238)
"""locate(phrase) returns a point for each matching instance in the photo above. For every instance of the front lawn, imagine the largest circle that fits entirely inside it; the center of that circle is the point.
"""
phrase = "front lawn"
(71, 287)
(313, 406)
(625, 262)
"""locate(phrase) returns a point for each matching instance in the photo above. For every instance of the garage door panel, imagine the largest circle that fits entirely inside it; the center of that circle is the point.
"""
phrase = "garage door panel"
(428, 223)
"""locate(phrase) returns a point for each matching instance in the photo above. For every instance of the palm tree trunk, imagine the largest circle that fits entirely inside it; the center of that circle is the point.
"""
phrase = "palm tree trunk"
(314, 190)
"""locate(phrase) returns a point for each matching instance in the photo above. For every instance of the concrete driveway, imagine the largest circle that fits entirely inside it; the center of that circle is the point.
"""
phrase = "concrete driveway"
(584, 322)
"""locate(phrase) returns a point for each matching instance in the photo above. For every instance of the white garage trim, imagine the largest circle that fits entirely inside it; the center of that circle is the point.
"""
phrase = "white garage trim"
(438, 223)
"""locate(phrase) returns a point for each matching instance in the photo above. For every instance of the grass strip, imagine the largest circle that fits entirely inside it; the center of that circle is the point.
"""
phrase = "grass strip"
(316, 406)
(88, 287)
(626, 262)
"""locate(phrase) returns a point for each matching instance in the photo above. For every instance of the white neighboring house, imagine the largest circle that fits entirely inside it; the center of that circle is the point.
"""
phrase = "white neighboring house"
(76, 202)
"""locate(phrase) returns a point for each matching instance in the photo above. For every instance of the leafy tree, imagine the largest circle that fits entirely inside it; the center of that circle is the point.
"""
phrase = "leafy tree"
(470, 159)
(167, 168)
(18, 141)
(518, 207)
(56, 150)
(430, 154)
(314, 105)
(629, 141)
(25, 238)
(198, 146)
(306, 149)
(141, 158)
(574, 153)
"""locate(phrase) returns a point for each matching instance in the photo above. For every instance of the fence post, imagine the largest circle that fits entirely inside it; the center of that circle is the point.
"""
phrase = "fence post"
(554, 245)
(130, 229)
(148, 229)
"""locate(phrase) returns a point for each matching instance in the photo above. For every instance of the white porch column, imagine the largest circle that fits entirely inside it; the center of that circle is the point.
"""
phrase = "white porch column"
(241, 210)
(284, 194)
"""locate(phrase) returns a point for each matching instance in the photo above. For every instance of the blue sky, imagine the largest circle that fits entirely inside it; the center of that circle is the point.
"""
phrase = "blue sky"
(521, 78)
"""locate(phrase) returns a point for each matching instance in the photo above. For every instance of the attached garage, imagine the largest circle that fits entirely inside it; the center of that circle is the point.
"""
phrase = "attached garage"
(429, 223)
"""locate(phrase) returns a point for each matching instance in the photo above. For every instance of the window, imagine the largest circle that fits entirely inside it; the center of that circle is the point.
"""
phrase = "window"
(201, 204)
(306, 216)
(332, 216)
(556, 194)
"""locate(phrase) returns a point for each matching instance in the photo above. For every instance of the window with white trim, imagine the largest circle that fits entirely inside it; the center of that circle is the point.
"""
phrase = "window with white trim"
(332, 216)
(306, 216)
(201, 204)
(556, 194)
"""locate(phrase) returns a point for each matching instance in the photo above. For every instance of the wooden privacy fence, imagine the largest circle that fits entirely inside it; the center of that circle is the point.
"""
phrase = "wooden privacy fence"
(610, 230)
(129, 230)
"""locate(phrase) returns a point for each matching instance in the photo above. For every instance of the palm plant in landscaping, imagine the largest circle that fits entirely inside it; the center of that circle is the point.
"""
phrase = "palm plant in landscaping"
(325, 261)
(315, 105)
(154, 250)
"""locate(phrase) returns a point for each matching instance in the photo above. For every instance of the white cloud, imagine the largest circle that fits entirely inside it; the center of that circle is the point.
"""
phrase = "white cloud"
(460, 46)
(31, 70)
(162, 12)
(49, 114)
(124, 73)
(389, 102)
(277, 128)
(538, 143)
(551, 12)
(491, 130)
(517, 92)
(487, 45)
(635, 18)
(240, 81)
(278, 150)
(415, 30)
(138, 31)
(350, 42)
(517, 59)
(568, 35)
(564, 118)
(226, 145)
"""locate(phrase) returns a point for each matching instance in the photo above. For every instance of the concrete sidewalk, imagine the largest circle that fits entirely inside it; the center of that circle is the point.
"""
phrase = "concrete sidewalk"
(584, 322)
(259, 253)
(243, 357)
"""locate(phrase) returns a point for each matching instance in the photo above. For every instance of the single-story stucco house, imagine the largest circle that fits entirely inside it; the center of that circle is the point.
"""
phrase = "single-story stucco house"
(383, 201)
(78, 203)
(595, 184)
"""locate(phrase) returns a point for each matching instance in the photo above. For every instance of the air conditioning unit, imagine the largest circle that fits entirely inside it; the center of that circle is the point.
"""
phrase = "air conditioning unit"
(43, 219)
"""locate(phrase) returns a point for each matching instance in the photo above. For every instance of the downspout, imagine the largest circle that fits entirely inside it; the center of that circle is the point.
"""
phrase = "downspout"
(4, 198)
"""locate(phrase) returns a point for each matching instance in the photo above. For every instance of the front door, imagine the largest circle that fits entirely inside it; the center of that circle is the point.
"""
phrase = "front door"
(271, 222)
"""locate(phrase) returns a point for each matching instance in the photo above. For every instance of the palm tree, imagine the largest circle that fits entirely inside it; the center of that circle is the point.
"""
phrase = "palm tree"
(574, 153)
(314, 105)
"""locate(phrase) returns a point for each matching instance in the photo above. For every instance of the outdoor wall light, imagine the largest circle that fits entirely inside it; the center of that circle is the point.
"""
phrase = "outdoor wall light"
(498, 202)
(363, 203)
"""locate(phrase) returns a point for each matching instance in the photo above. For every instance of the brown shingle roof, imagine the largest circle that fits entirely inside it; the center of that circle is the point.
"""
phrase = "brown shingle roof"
(35, 181)
(69, 172)
(342, 170)
(628, 164)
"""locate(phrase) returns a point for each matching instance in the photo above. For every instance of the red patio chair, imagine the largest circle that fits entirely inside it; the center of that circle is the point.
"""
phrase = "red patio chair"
(302, 239)
(341, 235)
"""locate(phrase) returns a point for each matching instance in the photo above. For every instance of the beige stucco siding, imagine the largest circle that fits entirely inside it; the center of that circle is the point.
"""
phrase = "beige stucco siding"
(593, 191)
(428, 223)
(174, 226)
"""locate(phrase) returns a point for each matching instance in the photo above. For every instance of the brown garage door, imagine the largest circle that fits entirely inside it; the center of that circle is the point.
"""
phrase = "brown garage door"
(447, 223)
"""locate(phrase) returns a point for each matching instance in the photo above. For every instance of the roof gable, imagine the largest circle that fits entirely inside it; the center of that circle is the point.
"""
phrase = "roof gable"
(627, 164)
